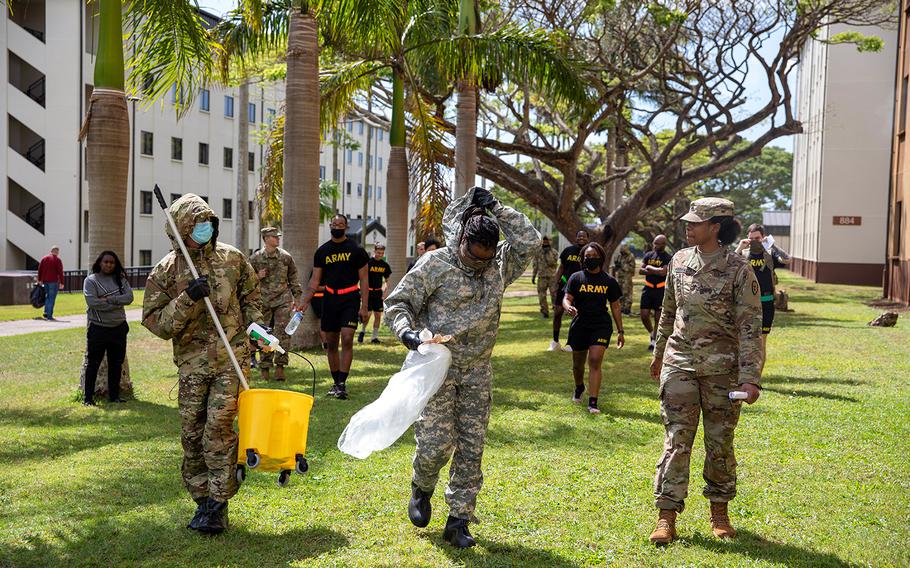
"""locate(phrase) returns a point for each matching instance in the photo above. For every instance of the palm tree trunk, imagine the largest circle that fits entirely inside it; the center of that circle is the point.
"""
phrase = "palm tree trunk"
(336, 141)
(397, 186)
(366, 187)
(466, 108)
(106, 131)
(300, 209)
(241, 240)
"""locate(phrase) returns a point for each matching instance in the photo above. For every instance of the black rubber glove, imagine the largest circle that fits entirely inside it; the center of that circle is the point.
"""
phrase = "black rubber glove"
(483, 199)
(411, 340)
(199, 288)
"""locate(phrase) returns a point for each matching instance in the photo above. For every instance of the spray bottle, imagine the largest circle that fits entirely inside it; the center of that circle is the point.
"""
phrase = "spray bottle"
(258, 333)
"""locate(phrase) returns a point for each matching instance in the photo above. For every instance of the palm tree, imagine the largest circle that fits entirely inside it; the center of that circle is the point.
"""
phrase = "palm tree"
(241, 238)
(466, 121)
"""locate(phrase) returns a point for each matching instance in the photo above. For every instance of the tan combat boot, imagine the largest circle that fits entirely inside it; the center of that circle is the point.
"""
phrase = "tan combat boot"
(264, 374)
(720, 521)
(279, 373)
(665, 533)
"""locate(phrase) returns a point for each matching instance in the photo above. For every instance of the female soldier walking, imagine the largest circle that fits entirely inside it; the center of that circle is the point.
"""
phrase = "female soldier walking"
(587, 295)
(708, 344)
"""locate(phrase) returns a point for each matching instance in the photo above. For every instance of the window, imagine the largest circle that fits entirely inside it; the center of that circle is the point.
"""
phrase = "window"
(369, 191)
(175, 197)
(227, 207)
(360, 127)
(359, 158)
(271, 116)
(251, 112)
(380, 134)
(380, 160)
(359, 190)
(148, 143)
(349, 188)
(350, 154)
(378, 192)
(337, 174)
(204, 100)
(176, 148)
(203, 153)
(145, 257)
(175, 98)
(229, 157)
(251, 162)
(321, 172)
(250, 211)
(350, 127)
(145, 202)
(228, 106)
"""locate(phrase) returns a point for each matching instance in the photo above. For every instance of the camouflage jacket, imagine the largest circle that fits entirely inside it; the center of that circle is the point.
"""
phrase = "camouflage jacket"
(711, 318)
(281, 284)
(169, 312)
(545, 263)
(443, 295)
(624, 265)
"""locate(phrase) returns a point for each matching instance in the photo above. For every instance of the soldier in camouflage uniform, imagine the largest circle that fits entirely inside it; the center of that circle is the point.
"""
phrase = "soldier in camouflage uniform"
(172, 309)
(458, 291)
(707, 346)
(280, 287)
(623, 271)
(544, 271)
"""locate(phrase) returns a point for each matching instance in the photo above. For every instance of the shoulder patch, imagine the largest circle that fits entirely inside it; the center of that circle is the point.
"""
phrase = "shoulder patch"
(754, 288)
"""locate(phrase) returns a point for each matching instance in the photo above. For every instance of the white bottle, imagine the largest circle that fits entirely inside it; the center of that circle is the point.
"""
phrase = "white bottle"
(258, 333)
(294, 323)
(738, 395)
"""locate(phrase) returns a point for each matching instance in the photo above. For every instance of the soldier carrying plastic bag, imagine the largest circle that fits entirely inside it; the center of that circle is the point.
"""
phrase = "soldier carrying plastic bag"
(457, 291)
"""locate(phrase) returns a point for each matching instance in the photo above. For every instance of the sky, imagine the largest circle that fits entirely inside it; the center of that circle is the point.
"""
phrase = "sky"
(756, 81)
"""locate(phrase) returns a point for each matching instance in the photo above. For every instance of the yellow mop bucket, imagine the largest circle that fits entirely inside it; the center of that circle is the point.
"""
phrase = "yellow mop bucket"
(273, 428)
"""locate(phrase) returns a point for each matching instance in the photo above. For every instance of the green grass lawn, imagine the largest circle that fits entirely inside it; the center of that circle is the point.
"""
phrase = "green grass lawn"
(823, 461)
(67, 304)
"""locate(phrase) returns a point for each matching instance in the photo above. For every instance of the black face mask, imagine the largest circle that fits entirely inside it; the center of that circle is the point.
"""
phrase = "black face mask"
(337, 233)
(592, 263)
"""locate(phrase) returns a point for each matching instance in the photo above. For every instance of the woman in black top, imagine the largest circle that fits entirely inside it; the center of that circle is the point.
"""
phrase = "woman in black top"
(588, 293)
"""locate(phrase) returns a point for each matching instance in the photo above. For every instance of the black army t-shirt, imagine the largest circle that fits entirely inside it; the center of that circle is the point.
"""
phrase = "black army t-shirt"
(570, 258)
(765, 277)
(379, 270)
(658, 260)
(592, 294)
(340, 263)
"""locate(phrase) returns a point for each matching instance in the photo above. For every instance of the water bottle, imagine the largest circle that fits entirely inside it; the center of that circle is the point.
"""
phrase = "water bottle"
(738, 395)
(294, 323)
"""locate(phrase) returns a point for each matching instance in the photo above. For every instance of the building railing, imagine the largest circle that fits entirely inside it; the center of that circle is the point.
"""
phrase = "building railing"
(35, 154)
(36, 91)
(136, 276)
(35, 217)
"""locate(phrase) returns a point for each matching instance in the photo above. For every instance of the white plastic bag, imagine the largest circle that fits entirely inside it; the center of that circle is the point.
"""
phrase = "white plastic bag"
(379, 424)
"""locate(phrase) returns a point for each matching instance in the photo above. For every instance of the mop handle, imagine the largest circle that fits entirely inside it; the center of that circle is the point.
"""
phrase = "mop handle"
(208, 302)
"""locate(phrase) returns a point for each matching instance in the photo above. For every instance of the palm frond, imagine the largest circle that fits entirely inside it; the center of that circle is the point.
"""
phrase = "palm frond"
(339, 85)
(171, 48)
(272, 184)
(253, 35)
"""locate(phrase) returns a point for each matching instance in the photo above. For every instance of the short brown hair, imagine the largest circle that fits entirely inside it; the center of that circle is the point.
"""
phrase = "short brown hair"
(757, 227)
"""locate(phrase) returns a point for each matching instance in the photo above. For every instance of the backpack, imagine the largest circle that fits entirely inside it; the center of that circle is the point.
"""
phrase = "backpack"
(38, 296)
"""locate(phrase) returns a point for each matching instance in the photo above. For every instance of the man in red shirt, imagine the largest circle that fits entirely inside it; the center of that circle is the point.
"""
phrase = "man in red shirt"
(50, 273)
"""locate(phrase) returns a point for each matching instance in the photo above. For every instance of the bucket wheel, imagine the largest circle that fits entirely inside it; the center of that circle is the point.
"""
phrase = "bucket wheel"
(302, 465)
(284, 477)
(240, 474)
(252, 458)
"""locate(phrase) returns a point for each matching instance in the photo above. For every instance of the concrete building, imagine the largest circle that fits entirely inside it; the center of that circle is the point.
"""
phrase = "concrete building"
(840, 181)
(777, 224)
(897, 272)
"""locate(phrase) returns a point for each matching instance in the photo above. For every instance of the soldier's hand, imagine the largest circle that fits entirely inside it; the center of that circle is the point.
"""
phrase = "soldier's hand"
(198, 288)
(571, 310)
(753, 391)
(410, 339)
(483, 198)
(364, 314)
(621, 340)
(656, 365)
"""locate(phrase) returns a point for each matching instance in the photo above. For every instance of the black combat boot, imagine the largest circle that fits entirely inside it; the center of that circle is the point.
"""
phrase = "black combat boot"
(200, 512)
(419, 508)
(456, 533)
(215, 519)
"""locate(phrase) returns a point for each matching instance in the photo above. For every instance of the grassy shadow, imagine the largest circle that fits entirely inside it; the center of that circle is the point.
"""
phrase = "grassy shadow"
(755, 547)
(494, 554)
(812, 394)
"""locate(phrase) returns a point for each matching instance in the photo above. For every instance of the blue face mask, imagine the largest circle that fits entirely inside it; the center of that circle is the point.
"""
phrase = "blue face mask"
(202, 232)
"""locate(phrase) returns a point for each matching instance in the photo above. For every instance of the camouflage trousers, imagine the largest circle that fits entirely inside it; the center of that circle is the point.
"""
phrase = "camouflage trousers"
(455, 420)
(625, 284)
(683, 396)
(276, 318)
(543, 293)
(208, 406)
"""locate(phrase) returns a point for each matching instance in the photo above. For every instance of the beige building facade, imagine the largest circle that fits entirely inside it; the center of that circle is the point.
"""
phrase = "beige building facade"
(897, 273)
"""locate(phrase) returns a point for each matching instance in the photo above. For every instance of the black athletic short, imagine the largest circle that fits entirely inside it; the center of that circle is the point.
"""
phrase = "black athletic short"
(374, 301)
(767, 317)
(583, 334)
(316, 304)
(340, 311)
(652, 298)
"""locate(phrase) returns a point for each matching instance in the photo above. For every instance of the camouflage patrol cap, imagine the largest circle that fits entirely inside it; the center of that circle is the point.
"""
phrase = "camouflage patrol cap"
(270, 232)
(708, 207)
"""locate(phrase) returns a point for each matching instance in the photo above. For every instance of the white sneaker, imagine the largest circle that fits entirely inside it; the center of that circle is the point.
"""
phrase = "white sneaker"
(554, 346)
(593, 410)
(567, 348)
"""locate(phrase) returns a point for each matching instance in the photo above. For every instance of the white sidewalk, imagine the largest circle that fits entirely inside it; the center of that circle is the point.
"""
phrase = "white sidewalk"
(21, 327)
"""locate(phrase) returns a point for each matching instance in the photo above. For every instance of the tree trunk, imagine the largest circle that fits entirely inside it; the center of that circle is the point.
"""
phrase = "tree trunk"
(336, 142)
(366, 187)
(466, 138)
(241, 224)
(300, 208)
(126, 386)
(397, 187)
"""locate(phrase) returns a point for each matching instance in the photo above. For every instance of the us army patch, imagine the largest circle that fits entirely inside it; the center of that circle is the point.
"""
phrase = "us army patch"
(754, 288)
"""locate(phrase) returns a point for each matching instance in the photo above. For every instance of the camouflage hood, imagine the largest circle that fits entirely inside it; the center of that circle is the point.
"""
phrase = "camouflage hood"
(188, 210)
(451, 219)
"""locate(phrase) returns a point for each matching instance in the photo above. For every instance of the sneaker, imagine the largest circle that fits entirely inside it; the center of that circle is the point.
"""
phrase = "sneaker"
(375, 341)
(567, 348)
(89, 403)
(360, 337)
(333, 391)
(554, 346)
(593, 410)
(342, 393)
